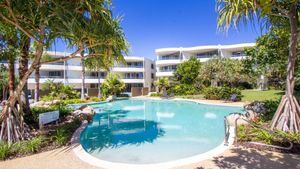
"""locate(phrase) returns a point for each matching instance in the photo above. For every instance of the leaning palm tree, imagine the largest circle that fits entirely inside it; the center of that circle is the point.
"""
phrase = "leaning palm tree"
(287, 116)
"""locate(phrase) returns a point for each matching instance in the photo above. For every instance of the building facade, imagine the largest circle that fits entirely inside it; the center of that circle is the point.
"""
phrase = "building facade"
(137, 72)
(168, 58)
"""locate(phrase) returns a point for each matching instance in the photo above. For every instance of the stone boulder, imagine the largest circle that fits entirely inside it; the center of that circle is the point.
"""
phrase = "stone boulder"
(84, 112)
(44, 104)
(232, 119)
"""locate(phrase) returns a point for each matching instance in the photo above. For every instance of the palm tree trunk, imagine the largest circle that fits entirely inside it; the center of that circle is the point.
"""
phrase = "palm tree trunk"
(23, 68)
(287, 116)
(37, 84)
(99, 85)
(82, 75)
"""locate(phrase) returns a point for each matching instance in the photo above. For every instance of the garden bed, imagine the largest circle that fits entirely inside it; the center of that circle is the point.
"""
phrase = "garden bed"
(51, 137)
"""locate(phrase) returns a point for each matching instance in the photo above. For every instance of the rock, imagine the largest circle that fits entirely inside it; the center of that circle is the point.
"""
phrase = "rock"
(85, 112)
(111, 98)
(252, 116)
(76, 112)
(232, 118)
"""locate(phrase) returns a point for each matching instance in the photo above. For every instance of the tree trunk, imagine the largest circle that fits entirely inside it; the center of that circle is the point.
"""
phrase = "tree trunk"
(287, 116)
(23, 68)
(82, 75)
(11, 75)
(37, 84)
(11, 127)
(99, 85)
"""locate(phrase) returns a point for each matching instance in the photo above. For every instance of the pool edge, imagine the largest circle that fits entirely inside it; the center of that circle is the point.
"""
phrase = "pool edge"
(79, 151)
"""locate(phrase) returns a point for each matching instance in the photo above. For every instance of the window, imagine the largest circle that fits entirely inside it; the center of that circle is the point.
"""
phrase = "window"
(94, 74)
(55, 74)
(152, 66)
(207, 54)
(152, 75)
(238, 54)
(94, 86)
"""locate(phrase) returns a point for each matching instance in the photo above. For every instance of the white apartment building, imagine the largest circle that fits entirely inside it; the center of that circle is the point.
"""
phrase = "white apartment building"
(169, 58)
(137, 72)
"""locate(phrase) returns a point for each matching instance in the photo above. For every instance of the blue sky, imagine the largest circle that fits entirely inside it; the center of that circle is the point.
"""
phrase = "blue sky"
(152, 24)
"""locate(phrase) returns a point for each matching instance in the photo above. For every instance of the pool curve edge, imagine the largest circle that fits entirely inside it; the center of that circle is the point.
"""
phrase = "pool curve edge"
(91, 160)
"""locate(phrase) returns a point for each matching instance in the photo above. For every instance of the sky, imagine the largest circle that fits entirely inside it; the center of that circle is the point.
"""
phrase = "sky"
(152, 24)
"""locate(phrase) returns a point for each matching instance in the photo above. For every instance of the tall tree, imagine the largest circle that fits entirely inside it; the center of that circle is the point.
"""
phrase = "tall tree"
(287, 116)
(188, 71)
(82, 75)
(74, 22)
(23, 68)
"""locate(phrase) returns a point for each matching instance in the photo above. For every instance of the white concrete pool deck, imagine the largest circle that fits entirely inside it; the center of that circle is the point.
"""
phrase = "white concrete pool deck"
(221, 157)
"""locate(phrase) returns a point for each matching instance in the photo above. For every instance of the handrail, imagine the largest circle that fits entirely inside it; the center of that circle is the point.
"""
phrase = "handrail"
(226, 127)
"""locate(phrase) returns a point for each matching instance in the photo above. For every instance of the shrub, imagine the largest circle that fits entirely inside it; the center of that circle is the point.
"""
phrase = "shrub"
(249, 133)
(35, 111)
(156, 94)
(218, 93)
(5, 150)
(95, 99)
(34, 115)
(73, 101)
(63, 134)
(185, 89)
(33, 145)
(270, 107)
(123, 95)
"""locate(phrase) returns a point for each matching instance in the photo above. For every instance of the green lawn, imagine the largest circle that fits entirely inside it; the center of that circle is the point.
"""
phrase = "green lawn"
(251, 95)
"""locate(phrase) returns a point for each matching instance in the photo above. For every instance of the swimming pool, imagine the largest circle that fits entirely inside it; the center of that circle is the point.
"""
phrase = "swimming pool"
(153, 131)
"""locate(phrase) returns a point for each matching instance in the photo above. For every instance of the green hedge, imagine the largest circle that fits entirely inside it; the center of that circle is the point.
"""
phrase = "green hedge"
(32, 118)
(221, 93)
(185, 89)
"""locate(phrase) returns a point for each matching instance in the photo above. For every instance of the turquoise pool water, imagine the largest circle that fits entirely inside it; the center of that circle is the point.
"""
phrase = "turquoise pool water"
(149, 131)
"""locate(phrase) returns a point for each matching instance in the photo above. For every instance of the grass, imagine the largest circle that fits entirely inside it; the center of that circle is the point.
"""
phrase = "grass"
(256, 95)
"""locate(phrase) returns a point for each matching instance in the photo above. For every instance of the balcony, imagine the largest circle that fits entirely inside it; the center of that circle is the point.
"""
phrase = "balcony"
(164, 74)
(167, 62)
(169, 58)
(167, 70)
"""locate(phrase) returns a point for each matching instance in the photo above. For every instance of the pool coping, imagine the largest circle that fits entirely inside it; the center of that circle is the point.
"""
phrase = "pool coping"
(86, 157)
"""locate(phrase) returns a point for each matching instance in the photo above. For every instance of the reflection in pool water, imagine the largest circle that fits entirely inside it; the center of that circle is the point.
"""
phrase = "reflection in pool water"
(147, 131)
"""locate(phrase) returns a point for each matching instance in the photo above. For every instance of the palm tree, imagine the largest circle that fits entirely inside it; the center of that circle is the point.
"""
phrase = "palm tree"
(82, 75)
(287, 116)
(77, 22)
(113, 84)
(162, 84)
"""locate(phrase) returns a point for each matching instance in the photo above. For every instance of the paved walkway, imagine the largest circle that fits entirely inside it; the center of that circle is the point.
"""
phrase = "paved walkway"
(64, 158)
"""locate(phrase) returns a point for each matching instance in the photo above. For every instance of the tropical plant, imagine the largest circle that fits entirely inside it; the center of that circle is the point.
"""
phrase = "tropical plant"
(3, 81)
(188, 71)
(223, 71)
(268, 57)
(162, 84)
(85, 25)
(287, 116)
(221, 93)
(113, 85)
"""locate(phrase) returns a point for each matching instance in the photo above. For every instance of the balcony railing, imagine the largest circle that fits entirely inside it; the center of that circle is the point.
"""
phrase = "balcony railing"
(132, 78)
(128, 66)
(169, 58)
(238, 55)
(167, 70)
